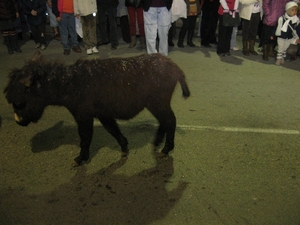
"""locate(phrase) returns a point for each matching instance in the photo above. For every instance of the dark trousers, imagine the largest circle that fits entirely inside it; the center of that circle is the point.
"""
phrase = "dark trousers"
(209, 23)
(224, 37)
(188, 24)
(39, 33)
(111, 12)
(267, 32)
(250, 27)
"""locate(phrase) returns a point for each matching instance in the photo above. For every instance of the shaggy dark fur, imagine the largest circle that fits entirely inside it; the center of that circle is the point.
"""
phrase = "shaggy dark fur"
(107, 89)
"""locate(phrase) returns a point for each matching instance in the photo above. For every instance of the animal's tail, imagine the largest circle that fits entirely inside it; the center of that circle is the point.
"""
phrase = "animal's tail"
(185, 89)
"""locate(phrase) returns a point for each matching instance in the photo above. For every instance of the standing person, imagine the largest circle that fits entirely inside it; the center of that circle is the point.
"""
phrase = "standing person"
(189, 23)
(285, 31)
(209, 22)
(136, 18)
(64, 12)
(53, 21)
(272, 10)
(107, 9)
(251, 12)
(225, 33)
(9, 12)
(35, 10)
(157, 20)
(85, 10)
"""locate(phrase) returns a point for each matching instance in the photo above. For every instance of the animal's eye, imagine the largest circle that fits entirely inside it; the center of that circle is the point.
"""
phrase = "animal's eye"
(19, 106)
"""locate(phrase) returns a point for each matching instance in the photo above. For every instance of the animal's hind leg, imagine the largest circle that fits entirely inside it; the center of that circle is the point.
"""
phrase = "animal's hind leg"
(112, 127)
(167, 125)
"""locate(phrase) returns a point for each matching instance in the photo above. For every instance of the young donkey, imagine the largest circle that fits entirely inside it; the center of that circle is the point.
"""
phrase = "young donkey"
(107, 89)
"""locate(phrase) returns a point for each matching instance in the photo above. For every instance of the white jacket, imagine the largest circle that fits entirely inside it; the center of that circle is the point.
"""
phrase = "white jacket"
(246, 7)
(85, 7)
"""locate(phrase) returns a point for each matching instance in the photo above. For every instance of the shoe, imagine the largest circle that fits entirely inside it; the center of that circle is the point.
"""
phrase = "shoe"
(102, 43)
(278, 62)
(43, 47)
(191, 44)
(206, 46)
(227, 53)
(89, 51)
(57, 37)
(171, 44)
(222, 54)
(282, 61)
(76, 49)
(37, 45)
(95, 50)
(67, 51)
(235, 48)
(113, 47)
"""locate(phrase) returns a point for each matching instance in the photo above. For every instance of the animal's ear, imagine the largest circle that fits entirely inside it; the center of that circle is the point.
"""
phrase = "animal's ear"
(37, 55)
(26, 81)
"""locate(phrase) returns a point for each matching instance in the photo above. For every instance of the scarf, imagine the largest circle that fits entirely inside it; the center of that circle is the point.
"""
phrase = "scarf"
(288, 18)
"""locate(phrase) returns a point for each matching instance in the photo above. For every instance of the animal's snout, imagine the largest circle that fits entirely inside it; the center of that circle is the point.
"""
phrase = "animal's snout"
(21, 121)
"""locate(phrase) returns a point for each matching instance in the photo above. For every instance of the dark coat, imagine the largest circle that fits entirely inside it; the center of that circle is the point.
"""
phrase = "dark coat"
(147, 3)
(109, 2)
(8, 9)
(37, 5)
(133, 3)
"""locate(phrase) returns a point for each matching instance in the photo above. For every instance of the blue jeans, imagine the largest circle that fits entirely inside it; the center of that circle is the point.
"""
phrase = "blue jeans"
(67, 27)
(157, 20)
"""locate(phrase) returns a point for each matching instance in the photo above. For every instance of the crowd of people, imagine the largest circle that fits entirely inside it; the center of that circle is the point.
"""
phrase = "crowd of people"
(274, 22)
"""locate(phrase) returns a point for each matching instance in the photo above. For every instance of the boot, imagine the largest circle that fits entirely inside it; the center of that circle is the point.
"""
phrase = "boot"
(181, 38)
(190, 39)
(133, 42)
(14, 43)
(143, 42)
(245, 48)
(272, 53)
(7, 42)
(251, 47)
(266, 49)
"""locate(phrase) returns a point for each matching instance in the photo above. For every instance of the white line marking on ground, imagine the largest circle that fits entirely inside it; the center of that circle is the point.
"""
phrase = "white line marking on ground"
(240, 129)
(224, 129)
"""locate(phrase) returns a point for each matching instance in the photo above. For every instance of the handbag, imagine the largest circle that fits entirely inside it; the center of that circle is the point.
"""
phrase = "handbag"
(231, 19)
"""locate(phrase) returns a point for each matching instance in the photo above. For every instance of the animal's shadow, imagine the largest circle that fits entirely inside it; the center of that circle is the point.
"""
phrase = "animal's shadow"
(138, 135)
(105, 197)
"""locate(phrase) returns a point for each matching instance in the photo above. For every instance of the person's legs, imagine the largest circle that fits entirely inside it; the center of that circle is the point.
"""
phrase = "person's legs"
(164, 23)
(63, 29)
(151, 25)
(112, 16)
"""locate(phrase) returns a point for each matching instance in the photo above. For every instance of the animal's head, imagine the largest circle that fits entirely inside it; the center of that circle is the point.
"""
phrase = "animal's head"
(24, 92)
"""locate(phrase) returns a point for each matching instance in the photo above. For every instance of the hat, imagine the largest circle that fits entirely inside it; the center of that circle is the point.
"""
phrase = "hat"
(290, 5)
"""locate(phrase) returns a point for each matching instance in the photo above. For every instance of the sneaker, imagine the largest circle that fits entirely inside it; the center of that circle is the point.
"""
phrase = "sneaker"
(76, 49)
(278, 62)
(66, 52)
(37, 45)
(95, 50)
(89, 51)
(235, 48)
(43, 47)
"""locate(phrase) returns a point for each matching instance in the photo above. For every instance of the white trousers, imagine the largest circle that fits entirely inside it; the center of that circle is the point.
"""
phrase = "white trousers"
(282, 46)
(157, 20)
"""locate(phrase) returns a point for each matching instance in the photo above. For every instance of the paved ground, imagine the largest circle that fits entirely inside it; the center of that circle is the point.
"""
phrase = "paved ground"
(236, 159)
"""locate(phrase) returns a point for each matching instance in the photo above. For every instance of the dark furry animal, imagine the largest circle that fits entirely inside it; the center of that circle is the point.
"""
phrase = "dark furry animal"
(107, 89)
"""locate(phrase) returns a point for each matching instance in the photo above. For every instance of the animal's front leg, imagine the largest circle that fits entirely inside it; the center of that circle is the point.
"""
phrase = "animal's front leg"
(85, 131)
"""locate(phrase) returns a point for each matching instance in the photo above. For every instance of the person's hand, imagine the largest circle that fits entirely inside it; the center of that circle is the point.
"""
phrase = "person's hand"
(58, 19)
(77, 16)
(298, 41)
(33, 12)
(17, 14)
(271, 37)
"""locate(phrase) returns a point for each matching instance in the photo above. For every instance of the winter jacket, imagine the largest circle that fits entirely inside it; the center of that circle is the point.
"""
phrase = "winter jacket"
(85, 8)
(246, 7)
(37, 5)
(8, 9)
(272, 10)
(290, 32)
(133, 3)
(147, 3)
